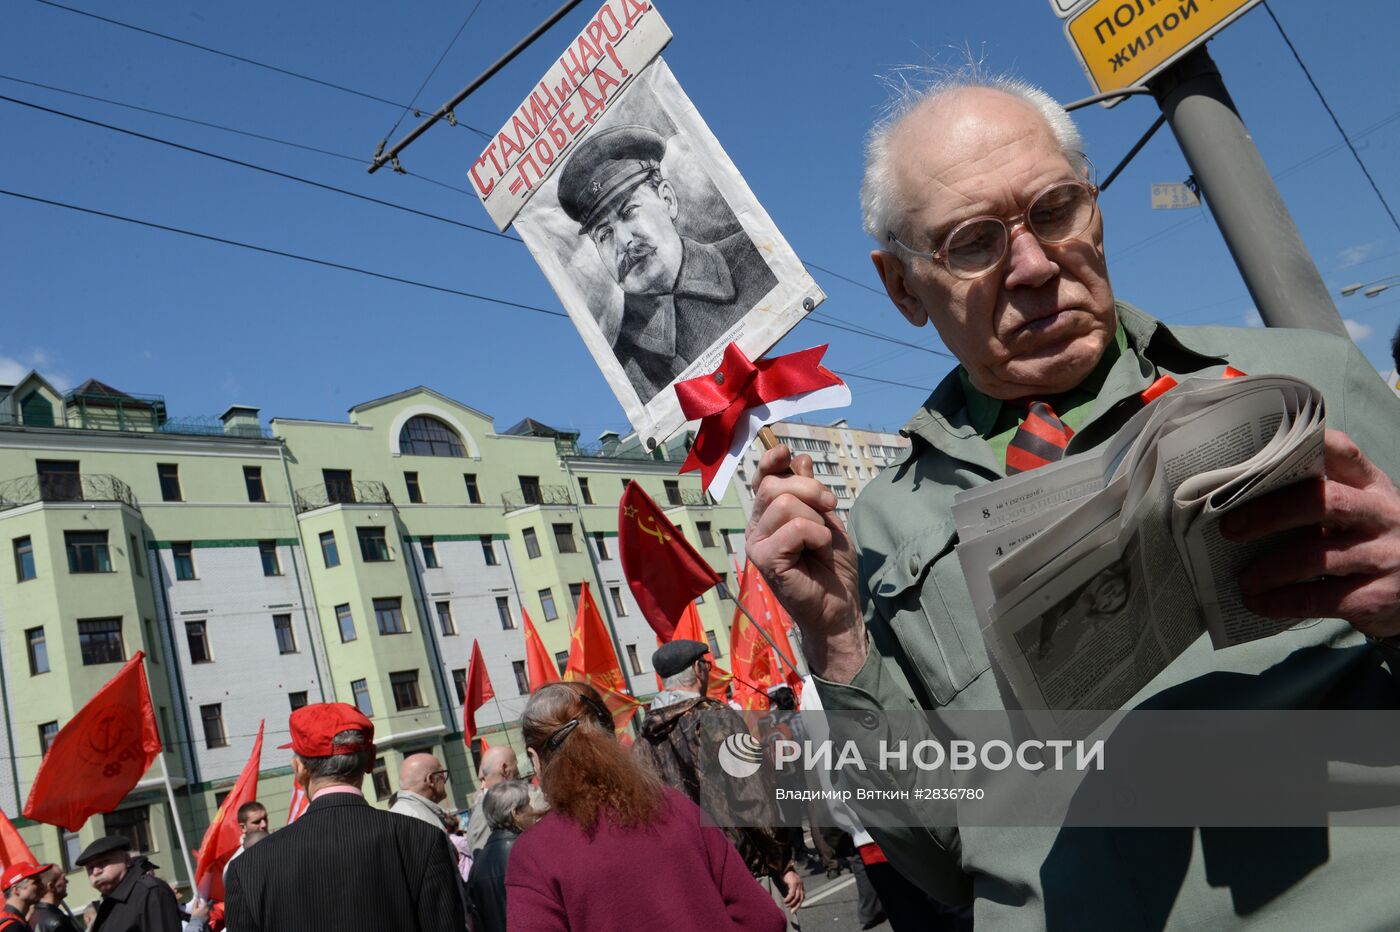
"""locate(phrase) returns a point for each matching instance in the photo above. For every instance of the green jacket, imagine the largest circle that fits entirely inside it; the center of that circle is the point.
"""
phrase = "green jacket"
(927, 653)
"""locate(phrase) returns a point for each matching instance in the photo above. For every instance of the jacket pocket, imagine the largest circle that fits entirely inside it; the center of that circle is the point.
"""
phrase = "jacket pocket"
(922, 595)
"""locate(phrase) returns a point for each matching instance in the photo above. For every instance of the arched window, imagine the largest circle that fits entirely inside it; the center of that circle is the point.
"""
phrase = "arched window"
(427, 436)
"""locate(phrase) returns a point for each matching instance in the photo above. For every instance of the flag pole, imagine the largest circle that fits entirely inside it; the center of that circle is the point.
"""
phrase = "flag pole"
(502, 716)
(725, 594)
(175, 815)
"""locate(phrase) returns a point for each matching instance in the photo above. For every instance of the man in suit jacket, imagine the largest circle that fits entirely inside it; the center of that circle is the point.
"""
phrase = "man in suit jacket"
(344, 864)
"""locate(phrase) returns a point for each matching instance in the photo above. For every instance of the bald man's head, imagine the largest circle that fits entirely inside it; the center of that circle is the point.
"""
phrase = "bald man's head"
(424, 774)
(498, 764)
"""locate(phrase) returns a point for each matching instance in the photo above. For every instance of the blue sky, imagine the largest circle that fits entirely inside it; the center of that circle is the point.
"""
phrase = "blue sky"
(788, 88)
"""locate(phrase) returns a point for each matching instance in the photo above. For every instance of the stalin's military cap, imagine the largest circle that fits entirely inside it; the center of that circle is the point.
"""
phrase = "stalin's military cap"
(104, 845)
(675, 656)
(608, 165)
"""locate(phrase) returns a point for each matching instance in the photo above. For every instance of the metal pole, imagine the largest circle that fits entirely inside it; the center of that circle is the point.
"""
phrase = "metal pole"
(724, 594)
(175, 815)
(464, 93)
(1276, 267)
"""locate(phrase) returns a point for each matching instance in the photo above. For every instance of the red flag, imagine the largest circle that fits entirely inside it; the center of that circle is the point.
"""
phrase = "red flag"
(13, 850)
(663, 570)
(224, 835)
(478, 691)
(776, 621)
(592, 660)
(299, 804)
(540, 668)
(485, 746)
(100, 755)
(755, 667)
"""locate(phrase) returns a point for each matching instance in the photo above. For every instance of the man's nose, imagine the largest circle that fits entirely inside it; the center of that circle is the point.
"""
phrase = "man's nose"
(1027, 265)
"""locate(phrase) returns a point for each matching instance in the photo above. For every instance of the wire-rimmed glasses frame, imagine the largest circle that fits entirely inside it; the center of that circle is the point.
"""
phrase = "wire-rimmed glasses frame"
(978, 245)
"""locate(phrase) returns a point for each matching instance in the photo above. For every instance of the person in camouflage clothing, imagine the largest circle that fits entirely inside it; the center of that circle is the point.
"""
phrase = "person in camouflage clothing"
(680, 741)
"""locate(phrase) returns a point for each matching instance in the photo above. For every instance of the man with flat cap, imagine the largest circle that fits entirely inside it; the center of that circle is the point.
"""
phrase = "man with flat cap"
(679, 295)
(133, 900)
(344, 864)
(680, 741)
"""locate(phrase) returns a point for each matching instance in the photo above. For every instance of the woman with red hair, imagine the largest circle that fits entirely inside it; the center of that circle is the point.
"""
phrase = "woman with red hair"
(619, 849)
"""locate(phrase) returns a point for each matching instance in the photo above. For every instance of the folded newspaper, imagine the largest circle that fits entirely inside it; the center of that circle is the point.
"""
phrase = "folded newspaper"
(1092, 574)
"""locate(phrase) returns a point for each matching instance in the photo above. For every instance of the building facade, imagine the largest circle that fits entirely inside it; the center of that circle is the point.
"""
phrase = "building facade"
(260, 569)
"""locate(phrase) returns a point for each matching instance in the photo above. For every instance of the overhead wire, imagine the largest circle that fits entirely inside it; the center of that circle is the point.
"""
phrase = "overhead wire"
(413, 103)
(345, 267)
(245, 60)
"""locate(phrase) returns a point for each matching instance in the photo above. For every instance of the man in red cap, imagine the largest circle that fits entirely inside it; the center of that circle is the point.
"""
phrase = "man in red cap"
(344, 864)
(22, 890)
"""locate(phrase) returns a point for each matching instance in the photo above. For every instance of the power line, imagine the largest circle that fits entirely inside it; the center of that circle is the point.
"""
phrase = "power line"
(413, 103)
(245, 60)
(1335, 122)
(260, 168)
(858, 284)
(226, 129)
(828, 321)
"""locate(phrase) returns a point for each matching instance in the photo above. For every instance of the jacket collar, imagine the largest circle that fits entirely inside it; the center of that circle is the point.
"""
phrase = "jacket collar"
(123, 890)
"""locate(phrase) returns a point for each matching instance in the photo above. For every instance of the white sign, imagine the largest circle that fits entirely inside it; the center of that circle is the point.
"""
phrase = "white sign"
(1173, 196)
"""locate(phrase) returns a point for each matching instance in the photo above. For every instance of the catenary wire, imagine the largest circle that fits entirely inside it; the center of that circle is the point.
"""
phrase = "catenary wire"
(413, 103)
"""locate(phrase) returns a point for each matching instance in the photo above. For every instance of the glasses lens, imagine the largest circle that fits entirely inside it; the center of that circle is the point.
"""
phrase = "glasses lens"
(975, 246)
(1061, 212)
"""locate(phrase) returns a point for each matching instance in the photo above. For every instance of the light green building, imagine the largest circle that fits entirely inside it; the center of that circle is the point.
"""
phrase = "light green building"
(263, 568)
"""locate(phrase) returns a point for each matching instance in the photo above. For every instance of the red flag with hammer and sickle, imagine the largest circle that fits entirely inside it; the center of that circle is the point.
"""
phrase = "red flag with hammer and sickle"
(663, 570)
(100, 755)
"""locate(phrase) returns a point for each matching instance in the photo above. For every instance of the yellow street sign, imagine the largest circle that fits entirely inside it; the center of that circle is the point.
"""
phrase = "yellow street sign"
(1121, 43)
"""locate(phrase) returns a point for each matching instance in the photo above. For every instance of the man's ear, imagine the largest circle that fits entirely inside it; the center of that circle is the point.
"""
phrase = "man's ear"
(892, 272)
(668, 195)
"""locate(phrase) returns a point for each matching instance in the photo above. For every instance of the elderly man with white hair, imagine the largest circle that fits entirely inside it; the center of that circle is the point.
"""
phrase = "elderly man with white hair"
(985, 217)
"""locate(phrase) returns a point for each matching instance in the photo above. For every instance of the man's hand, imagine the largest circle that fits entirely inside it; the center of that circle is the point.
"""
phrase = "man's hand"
(1346, 564)
(802, 549)
(795, 891)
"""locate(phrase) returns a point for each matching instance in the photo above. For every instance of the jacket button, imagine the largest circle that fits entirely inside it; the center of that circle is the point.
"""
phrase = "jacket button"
(868, 721)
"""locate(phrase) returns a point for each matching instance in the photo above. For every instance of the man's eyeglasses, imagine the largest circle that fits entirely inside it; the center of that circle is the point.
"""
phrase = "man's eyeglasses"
(974, 247)
(443, 774)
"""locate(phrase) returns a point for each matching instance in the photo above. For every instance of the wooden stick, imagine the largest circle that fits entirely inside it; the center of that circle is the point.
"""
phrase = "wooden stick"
(767, 437)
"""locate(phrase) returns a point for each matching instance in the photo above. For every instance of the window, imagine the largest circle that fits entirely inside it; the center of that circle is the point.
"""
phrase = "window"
(700, 599)
(47, 732)
(707, 537)
(373, 547)
(415, 493)
(488, 550)
(169, 475)
(561, 660)
(714, 644)
(346, 623)
(429, 546)
(252, 481)
(136, 557)
(459, 683)
(404, 686)
(583, 492)
(388, 615)
(564, 538)
(100, 641)
(673, 491)
(213, 718)
(182, 552)
(360, 690)
(446, 623)
(575, 593)
(286, 637)
(532, 543)
(340, 487)
(197, 636)
(427, 436)
(133, 824)
(379, 776)
(728, 542)
(330, 554)
(87, 551)
(723, 587)
(71, 847)
(271, 565)
(600, 545)
(152, 642)
(503, 609)
(38, 650)
(59, 481)
(296, 699)
(633, 659)
(547, 604)
(530, 490)
(522, 679)
(24, 559)
(473, 492)
(619, 606)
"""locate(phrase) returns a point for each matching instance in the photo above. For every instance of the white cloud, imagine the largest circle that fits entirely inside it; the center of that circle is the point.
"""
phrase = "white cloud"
(1357, 330)
(1355, 255)
(11, 370)
(14, 368)
(1251, 318)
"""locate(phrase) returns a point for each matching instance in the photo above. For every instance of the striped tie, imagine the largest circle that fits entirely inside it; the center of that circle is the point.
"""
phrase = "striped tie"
(1040, 440)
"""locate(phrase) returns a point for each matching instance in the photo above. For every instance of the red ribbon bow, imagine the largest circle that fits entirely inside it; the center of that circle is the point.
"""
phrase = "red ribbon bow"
(720, 399)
